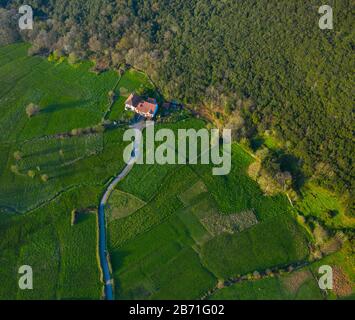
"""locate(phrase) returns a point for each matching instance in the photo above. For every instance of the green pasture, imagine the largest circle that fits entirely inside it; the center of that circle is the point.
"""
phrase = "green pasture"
(147, 247)
(301, 284)
(237, 192)
(325, 206)
(277, 242)
(121, 205)
(35, 214)
(160, 237)
(272, 288)
(69, 97)
(63, 257)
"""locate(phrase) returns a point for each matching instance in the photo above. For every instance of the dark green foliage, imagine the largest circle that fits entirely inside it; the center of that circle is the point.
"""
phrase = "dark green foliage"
(220, 51)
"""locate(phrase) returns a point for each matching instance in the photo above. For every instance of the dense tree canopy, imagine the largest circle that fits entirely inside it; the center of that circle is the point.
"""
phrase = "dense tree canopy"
(300, 77)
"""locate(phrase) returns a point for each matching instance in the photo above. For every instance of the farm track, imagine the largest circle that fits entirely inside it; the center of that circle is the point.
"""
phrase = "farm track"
(103, 253)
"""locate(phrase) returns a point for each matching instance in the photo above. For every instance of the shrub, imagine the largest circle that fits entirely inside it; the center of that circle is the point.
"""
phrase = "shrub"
(31, 173)
(72, 59)
(99, 128)
(76, 132)
(220, 284)
(44, 177)
(74, 213)
(123, 91)
(32, 110)
(57, 54)
(268, 272)
(14, 169)
(17, 155)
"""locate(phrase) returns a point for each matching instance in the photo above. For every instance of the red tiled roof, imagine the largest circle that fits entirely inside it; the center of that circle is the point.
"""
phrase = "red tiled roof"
(146, 107)
(141, 105)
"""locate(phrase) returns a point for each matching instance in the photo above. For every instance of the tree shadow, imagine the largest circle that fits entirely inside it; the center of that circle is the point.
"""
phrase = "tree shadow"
(42, 152)
(82, 216)
(256, 143)
(63, 174)
(56, 149)
(62, 106)
(117, 258)
(293, 165)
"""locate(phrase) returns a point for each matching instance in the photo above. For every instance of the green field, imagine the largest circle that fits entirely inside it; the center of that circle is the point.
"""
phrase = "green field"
(131, 81)
(35, 215)
(325, 206)
(121, 205)
(174, 231)
(59, 254)
(69, 97)
(276, 242)
(194, 229)
(300, 285)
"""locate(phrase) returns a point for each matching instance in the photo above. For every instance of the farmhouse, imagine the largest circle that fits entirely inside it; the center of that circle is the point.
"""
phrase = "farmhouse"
(146, 108)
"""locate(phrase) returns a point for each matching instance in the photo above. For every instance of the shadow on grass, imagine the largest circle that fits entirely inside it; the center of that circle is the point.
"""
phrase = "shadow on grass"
(117, 257)
(56, 149)
(82, 217)
(294, 166)
(62, 106)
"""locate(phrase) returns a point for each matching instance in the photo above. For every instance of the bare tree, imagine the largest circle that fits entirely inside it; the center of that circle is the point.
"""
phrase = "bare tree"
(44, 177)
(32, 110)
(77, 132)
(17, 155)
(31, 173)
(8, 30)
(95, 44)
(73, 58)
(14, 169)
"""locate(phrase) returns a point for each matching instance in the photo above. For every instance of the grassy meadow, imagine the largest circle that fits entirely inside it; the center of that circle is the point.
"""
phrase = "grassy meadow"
(174, 231)
(301, 284)
(324, 206)
(35, 212)
(298, 286)
(196, 229)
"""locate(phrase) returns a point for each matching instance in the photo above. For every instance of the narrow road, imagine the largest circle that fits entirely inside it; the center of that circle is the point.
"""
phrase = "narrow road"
(102, 221)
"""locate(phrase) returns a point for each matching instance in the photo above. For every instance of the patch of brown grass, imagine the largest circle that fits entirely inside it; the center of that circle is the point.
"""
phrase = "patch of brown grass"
(331, 246)
(218, 223)
(294, 281)
(341, 282)
(254, 170)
